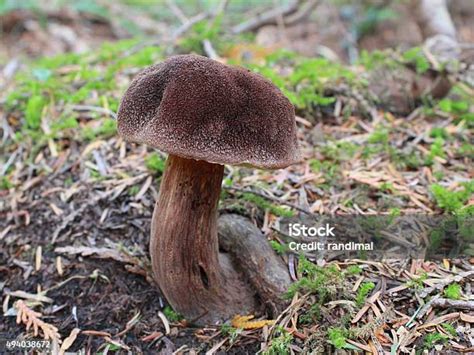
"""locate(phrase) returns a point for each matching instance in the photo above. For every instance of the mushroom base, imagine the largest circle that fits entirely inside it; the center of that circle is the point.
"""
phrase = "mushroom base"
(199, 283)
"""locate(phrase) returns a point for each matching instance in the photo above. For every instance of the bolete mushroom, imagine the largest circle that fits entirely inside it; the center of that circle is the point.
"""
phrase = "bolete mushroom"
(204, 114)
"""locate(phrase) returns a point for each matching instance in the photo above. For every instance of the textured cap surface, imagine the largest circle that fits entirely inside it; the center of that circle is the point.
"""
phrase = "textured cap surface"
(198, 108)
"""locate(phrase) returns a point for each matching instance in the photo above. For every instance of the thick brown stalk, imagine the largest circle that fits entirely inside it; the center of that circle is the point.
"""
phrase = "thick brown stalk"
(197, 281)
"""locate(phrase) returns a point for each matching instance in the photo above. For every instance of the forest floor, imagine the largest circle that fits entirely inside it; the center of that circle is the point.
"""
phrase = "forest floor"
(76, 204)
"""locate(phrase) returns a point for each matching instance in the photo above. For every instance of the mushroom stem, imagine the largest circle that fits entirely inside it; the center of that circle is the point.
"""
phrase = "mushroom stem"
(199, 283)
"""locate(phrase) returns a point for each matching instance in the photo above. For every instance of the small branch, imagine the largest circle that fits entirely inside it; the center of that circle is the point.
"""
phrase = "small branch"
(303, 12)
(177, 11)
(187, 25)
(434, 19)
(209, 49)
(87, 108)
(266, 18)
(447, 303)
(206, 44)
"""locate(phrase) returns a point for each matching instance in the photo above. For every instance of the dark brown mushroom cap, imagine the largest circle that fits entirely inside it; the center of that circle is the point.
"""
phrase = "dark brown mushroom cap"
(198, 108)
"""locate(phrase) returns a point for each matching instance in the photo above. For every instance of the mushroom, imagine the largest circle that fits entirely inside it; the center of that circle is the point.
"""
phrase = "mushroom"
(204, 114)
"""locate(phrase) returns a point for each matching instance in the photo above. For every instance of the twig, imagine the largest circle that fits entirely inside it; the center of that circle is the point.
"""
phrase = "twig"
(303, 12)
(177, 11)
(266, 18)
(99, 109)
(209, 49)
(187, 25)
(457, 304)
(206, 44)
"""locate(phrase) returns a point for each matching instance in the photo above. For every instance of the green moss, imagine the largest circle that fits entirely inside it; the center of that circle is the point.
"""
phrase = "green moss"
(279, 248)
(432, 339)
(337, 337)
(339, 151)
(379, 136)
(107, 129)
(305, 84)
(5, 183)
(437, 149)
(280, 345)
(64, 124)
(453, 291)
(449, 329)
(353, 270)
(323, 282)
(439, 132)
(417, 282)
(34, 111)
(133, 190)
(362, 293)
(452, 201)
(266, 205)
(387, 187)
(171, 315)
(466, 150)
(416, 56)
(155, 163)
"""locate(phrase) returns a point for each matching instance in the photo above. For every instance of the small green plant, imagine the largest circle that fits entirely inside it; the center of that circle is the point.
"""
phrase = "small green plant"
(436, 150)
(34, 111)
(438, 175)
(5, 184)
(379, 136)
(312, 315)
(339, 151)
(362, 293)
(279, 248)
(63, 124)
(337, 337)
(417, 58)
(266, 205)
(452, 201)
(459, 109)
(439, 132)
(68, 181)
(329, 169)
(171, 315)
(449, 329)
(155, 163)
(226, 329)
(417, 281)
(467, 150)
(280, 345)
(324, 282)
(203, 30)
(107, 129)
(434, 338)
(387, 187)
(453, 106)
(132, 191)
(453, 291)
(230, 331)
(353, 270)
(437, 236)
(305, 84)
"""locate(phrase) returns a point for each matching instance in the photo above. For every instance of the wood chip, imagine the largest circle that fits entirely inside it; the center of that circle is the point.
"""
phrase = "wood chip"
(38, 258)
(67, 343)
(165, 321)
